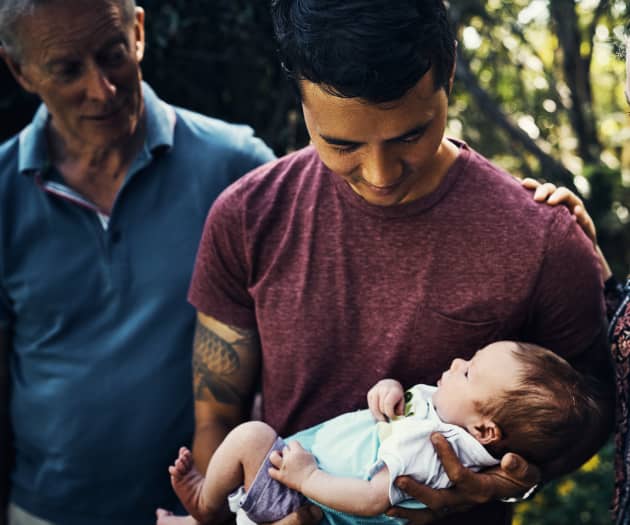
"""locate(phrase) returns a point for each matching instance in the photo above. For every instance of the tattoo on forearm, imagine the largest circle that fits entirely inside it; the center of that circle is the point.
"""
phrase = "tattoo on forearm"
(216, 362)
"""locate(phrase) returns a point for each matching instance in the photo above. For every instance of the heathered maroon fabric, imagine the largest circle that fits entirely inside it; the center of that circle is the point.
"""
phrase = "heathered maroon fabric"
(345, 293)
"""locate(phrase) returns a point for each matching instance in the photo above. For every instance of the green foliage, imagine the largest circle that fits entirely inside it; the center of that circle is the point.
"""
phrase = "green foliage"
(582, 498)
(219, 58)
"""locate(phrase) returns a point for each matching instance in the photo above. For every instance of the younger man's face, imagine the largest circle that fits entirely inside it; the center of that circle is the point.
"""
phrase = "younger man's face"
(389, 153)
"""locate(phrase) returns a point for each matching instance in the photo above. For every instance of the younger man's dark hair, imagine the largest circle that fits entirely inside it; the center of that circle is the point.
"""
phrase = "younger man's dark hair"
(375, 50)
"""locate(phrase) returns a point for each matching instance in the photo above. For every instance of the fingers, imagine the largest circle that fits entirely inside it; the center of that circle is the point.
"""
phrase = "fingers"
(530, 184)
(520, 471)
(306, 515)
(564, 196)
(586, 222)
(389, 403)
(166, 517)
(544, 191)
(452, 465)
(415, 517)
(294, 446)
(275, 458)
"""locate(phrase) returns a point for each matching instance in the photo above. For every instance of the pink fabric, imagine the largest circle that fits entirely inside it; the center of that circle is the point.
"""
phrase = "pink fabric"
(345, 293)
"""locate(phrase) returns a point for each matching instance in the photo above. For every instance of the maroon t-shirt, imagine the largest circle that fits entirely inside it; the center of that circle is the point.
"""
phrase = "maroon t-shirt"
(344, 293)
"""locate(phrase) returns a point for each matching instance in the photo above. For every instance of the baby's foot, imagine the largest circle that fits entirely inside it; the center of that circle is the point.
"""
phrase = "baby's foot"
(187, 483)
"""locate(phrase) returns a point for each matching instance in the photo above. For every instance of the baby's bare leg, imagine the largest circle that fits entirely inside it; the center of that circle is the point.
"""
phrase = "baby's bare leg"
(235, 462)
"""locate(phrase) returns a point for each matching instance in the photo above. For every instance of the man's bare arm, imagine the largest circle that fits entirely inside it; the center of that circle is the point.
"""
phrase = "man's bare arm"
(226, 364)
(6, 447)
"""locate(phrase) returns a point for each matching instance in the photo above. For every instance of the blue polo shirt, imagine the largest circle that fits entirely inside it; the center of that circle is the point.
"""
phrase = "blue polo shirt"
(96, 305)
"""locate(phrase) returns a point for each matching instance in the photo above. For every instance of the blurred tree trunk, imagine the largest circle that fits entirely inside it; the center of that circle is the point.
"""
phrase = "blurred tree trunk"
(576, 69)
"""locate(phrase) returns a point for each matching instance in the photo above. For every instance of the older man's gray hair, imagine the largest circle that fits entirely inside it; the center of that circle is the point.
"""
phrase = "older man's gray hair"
(12, 10)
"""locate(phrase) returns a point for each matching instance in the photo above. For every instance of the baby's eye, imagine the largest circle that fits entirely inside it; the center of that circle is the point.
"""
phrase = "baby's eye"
(466, 374)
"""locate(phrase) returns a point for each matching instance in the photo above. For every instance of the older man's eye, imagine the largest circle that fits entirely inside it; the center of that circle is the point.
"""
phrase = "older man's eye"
(68, 72)
(115, 56)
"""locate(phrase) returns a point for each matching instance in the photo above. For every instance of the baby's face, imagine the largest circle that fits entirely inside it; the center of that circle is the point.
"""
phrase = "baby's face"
(490, 372)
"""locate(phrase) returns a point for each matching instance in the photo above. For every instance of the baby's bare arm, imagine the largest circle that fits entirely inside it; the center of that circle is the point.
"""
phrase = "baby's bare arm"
(297, 468)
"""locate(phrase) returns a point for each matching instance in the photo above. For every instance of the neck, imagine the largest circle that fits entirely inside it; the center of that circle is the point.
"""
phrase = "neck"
(96, 172)
(67, 150)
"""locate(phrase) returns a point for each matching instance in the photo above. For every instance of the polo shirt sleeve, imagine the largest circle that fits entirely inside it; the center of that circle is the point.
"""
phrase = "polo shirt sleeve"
(219, 282)
(250, 152)
(567, 312)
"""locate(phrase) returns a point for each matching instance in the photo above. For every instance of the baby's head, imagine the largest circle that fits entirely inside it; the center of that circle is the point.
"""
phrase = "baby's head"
(517, 397)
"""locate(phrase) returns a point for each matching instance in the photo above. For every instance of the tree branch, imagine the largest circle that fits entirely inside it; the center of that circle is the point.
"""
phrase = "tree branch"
(551, 169)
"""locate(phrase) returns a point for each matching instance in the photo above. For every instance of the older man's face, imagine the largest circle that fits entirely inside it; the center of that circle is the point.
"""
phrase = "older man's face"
(83, 59)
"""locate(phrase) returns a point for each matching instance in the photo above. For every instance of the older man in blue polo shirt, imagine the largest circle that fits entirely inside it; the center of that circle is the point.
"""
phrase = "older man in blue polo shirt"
(102, 202)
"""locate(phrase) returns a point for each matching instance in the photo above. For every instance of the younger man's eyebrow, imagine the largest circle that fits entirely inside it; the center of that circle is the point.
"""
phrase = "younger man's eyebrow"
(338, 142)
(343, 142)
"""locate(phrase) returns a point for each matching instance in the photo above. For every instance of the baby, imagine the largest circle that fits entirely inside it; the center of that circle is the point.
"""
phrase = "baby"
(510, 396)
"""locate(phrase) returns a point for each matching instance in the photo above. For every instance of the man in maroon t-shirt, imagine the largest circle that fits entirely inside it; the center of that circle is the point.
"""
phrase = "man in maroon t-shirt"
(382, 250)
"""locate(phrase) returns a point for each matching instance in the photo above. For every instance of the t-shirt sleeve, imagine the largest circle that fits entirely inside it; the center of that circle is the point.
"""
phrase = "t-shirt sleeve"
(219, 282)
(567, 312)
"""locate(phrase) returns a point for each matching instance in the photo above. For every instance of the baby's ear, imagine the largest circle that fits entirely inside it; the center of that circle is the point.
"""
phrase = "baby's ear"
(487, 432)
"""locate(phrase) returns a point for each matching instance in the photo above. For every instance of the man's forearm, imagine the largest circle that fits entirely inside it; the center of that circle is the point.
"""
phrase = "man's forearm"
(6, 443)
(206, 440)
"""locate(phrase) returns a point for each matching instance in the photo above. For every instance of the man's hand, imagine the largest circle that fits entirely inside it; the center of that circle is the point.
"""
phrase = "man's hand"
(306, 515)
(552, 195)
(166, 517)
(293, 466)
(386, 399)
(512, 478)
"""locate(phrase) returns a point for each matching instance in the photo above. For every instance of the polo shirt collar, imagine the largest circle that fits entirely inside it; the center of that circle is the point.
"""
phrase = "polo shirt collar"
(33, 150)
(160, 120)
(160, 129)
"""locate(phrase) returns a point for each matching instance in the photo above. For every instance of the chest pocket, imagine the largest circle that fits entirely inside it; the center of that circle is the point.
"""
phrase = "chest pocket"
(440, 338)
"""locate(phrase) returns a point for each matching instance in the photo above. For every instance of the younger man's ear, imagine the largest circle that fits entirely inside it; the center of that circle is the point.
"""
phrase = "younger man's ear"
(487, 432)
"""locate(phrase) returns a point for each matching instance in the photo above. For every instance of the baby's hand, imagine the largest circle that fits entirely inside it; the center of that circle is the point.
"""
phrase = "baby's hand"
(386, 399)
(292, 466)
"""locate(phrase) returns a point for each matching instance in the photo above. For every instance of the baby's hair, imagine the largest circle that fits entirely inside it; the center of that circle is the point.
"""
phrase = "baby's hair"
(551, 403)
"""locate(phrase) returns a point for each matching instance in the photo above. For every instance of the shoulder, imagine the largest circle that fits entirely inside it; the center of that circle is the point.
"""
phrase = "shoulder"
(275, 182)
(493, 193)
(9, 151)
(9, 160)
(194, 130)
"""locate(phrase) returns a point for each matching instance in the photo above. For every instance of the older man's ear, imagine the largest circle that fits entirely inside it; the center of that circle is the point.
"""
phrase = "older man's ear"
(16, 69)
